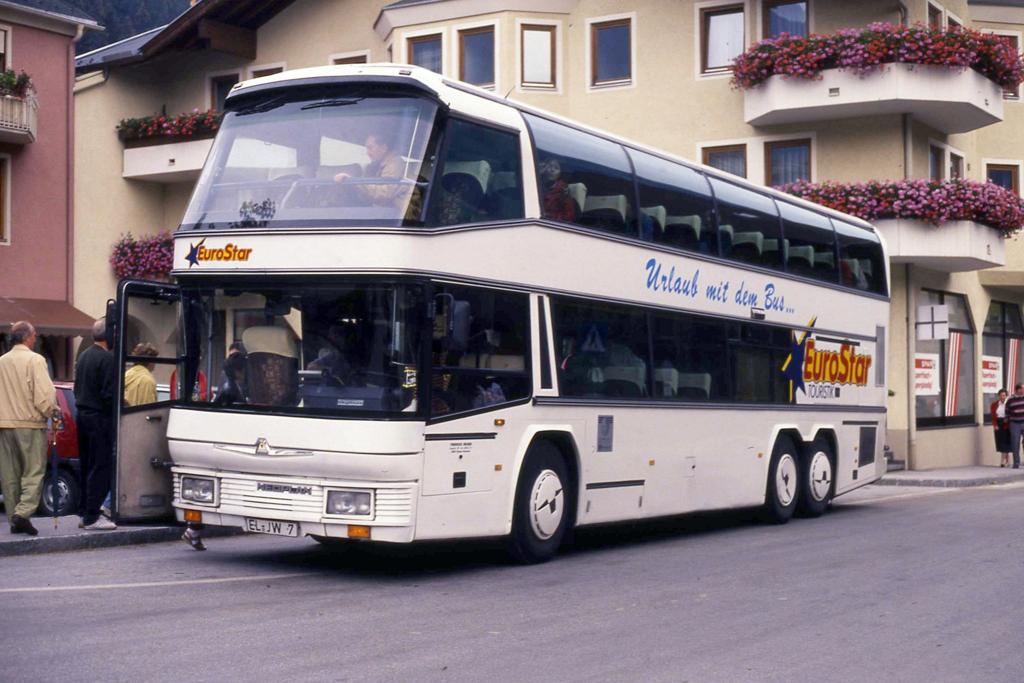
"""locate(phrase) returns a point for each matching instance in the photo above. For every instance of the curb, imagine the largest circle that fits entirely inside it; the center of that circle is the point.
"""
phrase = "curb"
(949, 483)
(93, 540)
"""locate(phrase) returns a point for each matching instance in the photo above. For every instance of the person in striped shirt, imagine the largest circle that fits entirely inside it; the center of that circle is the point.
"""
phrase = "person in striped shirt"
(1015, 413)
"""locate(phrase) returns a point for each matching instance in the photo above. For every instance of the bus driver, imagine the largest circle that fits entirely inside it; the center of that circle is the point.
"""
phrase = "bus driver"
(384, 163)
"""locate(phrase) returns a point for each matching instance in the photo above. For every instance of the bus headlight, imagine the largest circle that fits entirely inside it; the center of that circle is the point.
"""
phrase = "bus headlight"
(197, 489)
(349, 503)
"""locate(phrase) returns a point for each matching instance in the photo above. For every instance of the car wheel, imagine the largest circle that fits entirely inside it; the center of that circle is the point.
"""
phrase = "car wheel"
(783, 486)
(67, 494)
(817, 478)
(541, 514)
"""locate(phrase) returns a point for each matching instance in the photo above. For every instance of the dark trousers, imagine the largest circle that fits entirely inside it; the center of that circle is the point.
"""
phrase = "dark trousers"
(1016, 430)
(96, 457)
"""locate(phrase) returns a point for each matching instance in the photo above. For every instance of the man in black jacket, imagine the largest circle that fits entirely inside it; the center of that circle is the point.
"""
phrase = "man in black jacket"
(1015, 414)
(95, 393)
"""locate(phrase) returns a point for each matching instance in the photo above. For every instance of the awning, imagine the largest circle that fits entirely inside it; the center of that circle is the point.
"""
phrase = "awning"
(46, 315)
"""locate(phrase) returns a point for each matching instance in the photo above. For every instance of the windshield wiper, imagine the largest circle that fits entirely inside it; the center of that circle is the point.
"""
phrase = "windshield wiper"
(338, 102)
(259, 108)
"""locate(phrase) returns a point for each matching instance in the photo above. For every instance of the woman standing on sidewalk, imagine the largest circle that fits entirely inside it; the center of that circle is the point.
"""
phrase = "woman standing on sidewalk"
(1001, 425)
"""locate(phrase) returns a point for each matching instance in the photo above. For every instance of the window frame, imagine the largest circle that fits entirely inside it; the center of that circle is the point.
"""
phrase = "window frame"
(594, 25)
(555, 31)
(944, 420)
(1016, 37)
(770, 145)
(6, 57)
(410, 41)
(343, 58)
(1013, 166)
(214, 77)
(262, 70)
(767, 5)
(460, 54)
(938, 11)
(704, 12)
(1004, 337)
(5, 199)
(706, 151)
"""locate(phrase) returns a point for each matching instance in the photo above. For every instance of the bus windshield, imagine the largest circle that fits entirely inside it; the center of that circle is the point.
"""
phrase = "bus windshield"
(322, 156)
(335, 348)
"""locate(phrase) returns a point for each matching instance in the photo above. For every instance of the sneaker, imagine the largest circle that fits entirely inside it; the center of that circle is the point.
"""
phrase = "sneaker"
(193, 539)
(105, 511)
(101, 524)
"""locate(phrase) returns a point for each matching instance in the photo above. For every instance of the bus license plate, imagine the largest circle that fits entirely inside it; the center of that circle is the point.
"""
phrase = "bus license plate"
(269, 526)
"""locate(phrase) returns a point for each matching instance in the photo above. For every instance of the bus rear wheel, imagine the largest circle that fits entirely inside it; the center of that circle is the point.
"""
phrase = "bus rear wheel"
(541, 514)
(783, 487)
(817, 475)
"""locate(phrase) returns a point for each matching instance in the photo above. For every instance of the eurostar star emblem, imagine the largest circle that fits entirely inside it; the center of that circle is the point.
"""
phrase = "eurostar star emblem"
(193, 253)
(793, 368)
(262, 446)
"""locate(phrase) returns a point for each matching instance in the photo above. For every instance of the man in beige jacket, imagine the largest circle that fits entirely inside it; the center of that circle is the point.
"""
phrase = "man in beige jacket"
(27, 399)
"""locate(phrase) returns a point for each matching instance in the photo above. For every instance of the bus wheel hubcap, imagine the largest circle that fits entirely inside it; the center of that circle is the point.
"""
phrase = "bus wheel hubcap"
(821, 475)
(785, 480)
(547, 504)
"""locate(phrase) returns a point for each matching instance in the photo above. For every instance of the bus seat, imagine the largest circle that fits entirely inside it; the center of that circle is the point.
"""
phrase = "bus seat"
(824, 259)
(865, 267)
(493, 361)
(771, 246)
(686, 227)
(657, 214)
(481, 170)
(694, 385)
(725, 233)
(503, 180)
(578, 192)
(272, 365)
(801, 257)
(666, 381)
(752, 242)
(605, 211)
(852, 276)
(620, 375)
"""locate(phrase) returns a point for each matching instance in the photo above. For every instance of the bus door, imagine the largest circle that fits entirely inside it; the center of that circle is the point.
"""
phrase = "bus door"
(146, 319)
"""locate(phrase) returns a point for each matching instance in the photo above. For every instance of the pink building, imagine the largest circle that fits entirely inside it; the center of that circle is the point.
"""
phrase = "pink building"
(38, 37)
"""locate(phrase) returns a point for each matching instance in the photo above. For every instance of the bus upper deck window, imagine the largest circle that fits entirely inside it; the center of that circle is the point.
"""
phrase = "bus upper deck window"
(676, 207)
(748, 225)
(861, 261)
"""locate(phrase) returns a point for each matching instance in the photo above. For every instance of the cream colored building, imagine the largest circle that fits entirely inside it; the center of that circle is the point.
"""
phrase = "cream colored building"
(654, 71)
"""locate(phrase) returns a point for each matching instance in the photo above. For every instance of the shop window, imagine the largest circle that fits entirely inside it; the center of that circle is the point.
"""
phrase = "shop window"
(944, 368)
(611, 52)
(787, 161)
(539, 59)
(476, 56)
(748, 225)
(728, 158)
(1000, 351)
(676, 207)
(425, 51)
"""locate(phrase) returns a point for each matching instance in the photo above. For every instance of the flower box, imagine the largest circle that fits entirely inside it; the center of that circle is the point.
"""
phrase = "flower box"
(161, 129)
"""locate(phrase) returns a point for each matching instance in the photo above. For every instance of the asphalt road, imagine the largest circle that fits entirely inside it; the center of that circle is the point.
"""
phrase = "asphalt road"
(891, 585)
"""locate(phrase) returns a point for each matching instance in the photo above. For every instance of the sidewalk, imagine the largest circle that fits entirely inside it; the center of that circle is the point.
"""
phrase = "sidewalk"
(67, 536)
(953, 477)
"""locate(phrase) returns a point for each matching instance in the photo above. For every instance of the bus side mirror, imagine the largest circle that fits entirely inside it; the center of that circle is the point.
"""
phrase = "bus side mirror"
(110, 319)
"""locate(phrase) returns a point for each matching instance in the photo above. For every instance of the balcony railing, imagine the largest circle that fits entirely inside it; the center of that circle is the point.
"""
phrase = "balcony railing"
(18, 119)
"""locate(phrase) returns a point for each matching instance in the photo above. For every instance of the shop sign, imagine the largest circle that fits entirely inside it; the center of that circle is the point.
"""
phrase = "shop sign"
(991, 374)
(926, 374)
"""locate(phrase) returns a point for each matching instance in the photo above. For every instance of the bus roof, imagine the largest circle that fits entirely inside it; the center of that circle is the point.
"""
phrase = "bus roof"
(438, 84)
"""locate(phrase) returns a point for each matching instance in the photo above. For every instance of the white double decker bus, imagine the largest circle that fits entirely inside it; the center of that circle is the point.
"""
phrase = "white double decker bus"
(407, 309)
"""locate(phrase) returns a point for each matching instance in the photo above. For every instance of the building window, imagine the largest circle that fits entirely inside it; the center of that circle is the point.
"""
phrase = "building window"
(610, 52)
(537, 48)
(934, 17)
(476, 56)
(1004, 175)
(784, 16)
(722, 37)
(944, 368)
(425, 51)
(3, 49)
(935, 162)
(220, 86)
(355, 59)
(1015, 93)
(1000, 351)
(268, 71)
(956, 166)
(787, 161)
(728, 158)
(5, 206)
(953, 24)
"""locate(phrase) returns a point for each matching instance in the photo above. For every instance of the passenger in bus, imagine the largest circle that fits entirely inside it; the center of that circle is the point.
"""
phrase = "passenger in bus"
(232, 386)
(460, 199)
(332, 358)
(139, 383)
(556, 203)
(384, 163)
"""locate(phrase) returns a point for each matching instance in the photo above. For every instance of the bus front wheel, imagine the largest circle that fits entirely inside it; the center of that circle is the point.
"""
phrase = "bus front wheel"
(541, 514)
(783, 485)
(816, 478)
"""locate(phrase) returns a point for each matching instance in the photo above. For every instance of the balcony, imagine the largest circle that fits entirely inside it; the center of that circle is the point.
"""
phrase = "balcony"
(166, 159)
(950, 247)
(18, 120)
(947, 99)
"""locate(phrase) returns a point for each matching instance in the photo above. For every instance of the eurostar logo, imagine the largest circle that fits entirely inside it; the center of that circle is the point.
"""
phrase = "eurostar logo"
(793, 368)
(193, 253)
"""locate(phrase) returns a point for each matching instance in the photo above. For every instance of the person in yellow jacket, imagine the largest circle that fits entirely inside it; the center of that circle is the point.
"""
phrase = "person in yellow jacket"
(139, 383)
(27, 399)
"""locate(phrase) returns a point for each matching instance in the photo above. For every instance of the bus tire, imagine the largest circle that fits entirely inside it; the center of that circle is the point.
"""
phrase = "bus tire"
(541, 511)
(783, 486)
(817, 478)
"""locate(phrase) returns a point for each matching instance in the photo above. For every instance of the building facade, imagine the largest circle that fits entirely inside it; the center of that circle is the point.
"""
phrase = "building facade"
(37, 173)
(656, 71)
